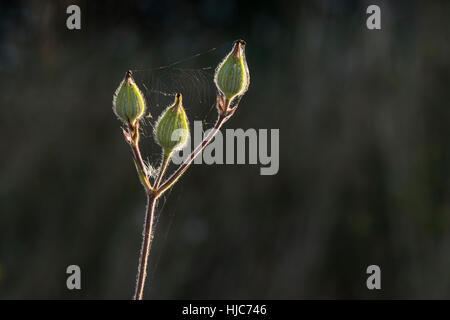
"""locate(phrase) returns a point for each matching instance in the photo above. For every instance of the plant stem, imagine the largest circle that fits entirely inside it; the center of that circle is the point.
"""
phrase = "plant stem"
(140, 166)
(145, 248)
(162, 170)
(181, 169)
(154, 194)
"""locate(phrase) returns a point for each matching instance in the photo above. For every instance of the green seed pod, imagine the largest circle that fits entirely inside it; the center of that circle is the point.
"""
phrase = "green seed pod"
(232, 76)
(128, 101)
(172, 129)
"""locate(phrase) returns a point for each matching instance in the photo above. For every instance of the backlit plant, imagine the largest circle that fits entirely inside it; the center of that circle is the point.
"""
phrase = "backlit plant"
(171, 132)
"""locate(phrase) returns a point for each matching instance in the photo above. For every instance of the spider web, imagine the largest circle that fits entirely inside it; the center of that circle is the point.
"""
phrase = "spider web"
(188, 76)
(191, 77)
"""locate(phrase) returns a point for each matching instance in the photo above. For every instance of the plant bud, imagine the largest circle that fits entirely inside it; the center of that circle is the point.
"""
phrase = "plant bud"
(171, 129)
(232, 76)
(128, 101)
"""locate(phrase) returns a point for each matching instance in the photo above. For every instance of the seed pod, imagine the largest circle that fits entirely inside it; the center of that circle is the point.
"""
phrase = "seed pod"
(128, 101)
(232, 76)
(172, 129)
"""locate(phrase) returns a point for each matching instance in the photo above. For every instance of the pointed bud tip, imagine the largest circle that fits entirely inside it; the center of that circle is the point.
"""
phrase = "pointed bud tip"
(178, 98)
(240, 42)
(239, 45)
(128, 77)
(178, 102)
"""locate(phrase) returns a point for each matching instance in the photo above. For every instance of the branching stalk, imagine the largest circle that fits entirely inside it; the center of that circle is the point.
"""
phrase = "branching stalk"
(132, 137)
(162, 169)
(187, 163)
(232, 79)
(141, 168)
(153, 196)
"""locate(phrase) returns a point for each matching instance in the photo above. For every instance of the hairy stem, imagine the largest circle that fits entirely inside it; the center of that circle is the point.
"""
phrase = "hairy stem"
(145, 248)
(162, 170)
(186, 164)
(140, 166)
(154, 194)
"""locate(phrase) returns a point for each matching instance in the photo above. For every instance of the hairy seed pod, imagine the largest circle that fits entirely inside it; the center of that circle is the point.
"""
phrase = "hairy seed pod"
(128, 101)
(172, 129)
(232, 76)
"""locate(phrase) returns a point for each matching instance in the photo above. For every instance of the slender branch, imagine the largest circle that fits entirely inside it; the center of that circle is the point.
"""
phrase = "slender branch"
(154, 193)
(142, 169)
(133, 141)
(186, 164)
(145, 248)
(162, 169)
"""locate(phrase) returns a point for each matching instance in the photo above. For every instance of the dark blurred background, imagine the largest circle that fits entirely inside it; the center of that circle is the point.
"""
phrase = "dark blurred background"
(364, 150)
